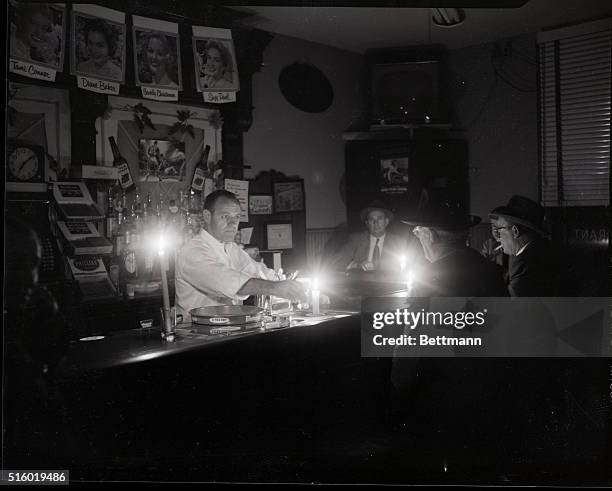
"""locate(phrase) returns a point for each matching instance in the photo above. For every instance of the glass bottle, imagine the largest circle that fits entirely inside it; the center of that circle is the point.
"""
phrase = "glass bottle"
(123, 168)
(137, 218)
(111, 217)
(129, 265)
(199, 174)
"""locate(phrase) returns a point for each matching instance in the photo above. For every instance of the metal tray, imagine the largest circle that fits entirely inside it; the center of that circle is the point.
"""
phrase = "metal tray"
(226, 315)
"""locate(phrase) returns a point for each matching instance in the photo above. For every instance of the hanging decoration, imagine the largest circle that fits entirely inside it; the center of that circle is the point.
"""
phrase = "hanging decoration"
(141, 117)
(157, 58)
(98, 48)
(216, 120)
(37, 39)
(215, 64)
(182, 125)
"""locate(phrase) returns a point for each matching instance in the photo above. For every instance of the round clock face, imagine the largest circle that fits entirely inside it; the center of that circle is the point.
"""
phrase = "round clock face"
(23, 163)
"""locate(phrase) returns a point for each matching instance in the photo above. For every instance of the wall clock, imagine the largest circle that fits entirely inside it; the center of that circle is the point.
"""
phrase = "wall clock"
(306, 87)
(24, 162)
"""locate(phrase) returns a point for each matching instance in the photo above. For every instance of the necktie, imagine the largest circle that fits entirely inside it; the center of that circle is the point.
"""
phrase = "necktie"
(376, 254)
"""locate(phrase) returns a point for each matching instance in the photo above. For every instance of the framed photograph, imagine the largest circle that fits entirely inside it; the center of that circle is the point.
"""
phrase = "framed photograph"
(394, 174)
(160, 160)
(37, 33)
(215, 64)
(98, 47)
(279, 236)
(260, 204)
(157, 58)
(288, 195)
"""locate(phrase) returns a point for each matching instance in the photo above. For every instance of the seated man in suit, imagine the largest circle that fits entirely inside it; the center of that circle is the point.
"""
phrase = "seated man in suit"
(374, 248)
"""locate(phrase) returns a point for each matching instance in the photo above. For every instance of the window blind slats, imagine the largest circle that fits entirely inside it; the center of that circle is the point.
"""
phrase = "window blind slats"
(580, 141)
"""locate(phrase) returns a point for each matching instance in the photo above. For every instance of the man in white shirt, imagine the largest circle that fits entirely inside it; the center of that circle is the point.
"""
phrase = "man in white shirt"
(212, 269)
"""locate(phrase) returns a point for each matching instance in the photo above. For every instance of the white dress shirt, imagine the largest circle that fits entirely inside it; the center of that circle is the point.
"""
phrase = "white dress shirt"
(381, 241)
(209, 272)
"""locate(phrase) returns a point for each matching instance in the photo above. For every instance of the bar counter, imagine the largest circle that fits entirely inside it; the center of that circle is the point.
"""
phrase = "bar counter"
(137, 345)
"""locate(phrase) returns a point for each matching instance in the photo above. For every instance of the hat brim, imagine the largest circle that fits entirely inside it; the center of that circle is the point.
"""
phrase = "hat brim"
(525, 223)
(471, 221)
(364, 213)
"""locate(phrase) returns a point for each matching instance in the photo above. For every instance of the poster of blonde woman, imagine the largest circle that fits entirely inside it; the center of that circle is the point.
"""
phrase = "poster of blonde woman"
(37, 33)
(157, 58)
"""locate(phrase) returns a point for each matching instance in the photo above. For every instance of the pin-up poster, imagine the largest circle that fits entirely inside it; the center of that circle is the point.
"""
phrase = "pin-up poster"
(37, 39)
(215, 64)
(157, 58)
(98, 48)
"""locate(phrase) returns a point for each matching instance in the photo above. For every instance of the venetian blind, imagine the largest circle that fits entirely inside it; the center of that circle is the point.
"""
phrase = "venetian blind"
(574, 65)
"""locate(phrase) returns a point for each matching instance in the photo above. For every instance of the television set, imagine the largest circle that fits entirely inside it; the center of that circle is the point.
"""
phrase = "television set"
(406, 92)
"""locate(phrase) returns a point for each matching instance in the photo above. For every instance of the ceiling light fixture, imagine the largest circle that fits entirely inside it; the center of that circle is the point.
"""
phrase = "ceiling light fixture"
(447, 17)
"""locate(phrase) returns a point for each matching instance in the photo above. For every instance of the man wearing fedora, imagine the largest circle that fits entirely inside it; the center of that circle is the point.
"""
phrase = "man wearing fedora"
(454, 270)
(420, 387)
(374, 248)
(517, 226)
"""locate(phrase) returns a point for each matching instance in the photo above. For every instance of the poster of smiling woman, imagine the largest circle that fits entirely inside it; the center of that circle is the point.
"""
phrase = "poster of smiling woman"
(98, 40)
(215, 64)
(157, 58)
(37, 39)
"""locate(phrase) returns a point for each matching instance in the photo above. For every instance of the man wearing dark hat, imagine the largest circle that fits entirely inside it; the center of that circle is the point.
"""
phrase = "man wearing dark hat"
(374, 248)
(455, 270)
(424, 387)
(517, 226)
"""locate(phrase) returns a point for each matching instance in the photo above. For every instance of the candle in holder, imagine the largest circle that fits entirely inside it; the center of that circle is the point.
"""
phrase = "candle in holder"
(168, 327)
(316, 293)
(409, 282)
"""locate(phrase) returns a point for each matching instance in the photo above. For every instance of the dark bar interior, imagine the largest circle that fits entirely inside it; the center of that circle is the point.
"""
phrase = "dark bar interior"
(209, 206)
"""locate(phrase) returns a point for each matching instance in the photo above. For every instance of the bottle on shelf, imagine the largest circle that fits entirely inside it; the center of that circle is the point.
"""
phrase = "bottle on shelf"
(148, 214)
(119, 234)
(161, 212)
(123, 168)
(111, 216)
(174, 224)
(137, 214)
(129, 265)
(118, 245)
(199, 173)
(195, 211)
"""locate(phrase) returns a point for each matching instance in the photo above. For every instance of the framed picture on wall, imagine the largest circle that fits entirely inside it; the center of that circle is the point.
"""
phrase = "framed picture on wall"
(260, 204)
(288, 195)
(279, 236)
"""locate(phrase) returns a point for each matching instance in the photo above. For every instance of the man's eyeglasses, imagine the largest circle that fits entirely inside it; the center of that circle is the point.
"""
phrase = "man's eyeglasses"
(495, 230)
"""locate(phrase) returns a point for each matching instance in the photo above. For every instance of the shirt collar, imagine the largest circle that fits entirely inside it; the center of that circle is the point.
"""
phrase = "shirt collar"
(209, 239)
(523, 248)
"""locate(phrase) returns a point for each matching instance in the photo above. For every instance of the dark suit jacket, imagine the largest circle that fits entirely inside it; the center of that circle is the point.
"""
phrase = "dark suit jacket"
(532, 273)
(463, 273)
(358, 247)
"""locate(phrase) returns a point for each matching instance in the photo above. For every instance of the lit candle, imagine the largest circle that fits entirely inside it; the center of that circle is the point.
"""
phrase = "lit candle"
(409, 282)
(163, 263)
(402, 263)
(315, 297)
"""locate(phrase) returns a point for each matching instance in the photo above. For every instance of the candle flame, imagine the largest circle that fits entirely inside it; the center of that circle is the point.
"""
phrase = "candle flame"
(315, 283)
(161, 244)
